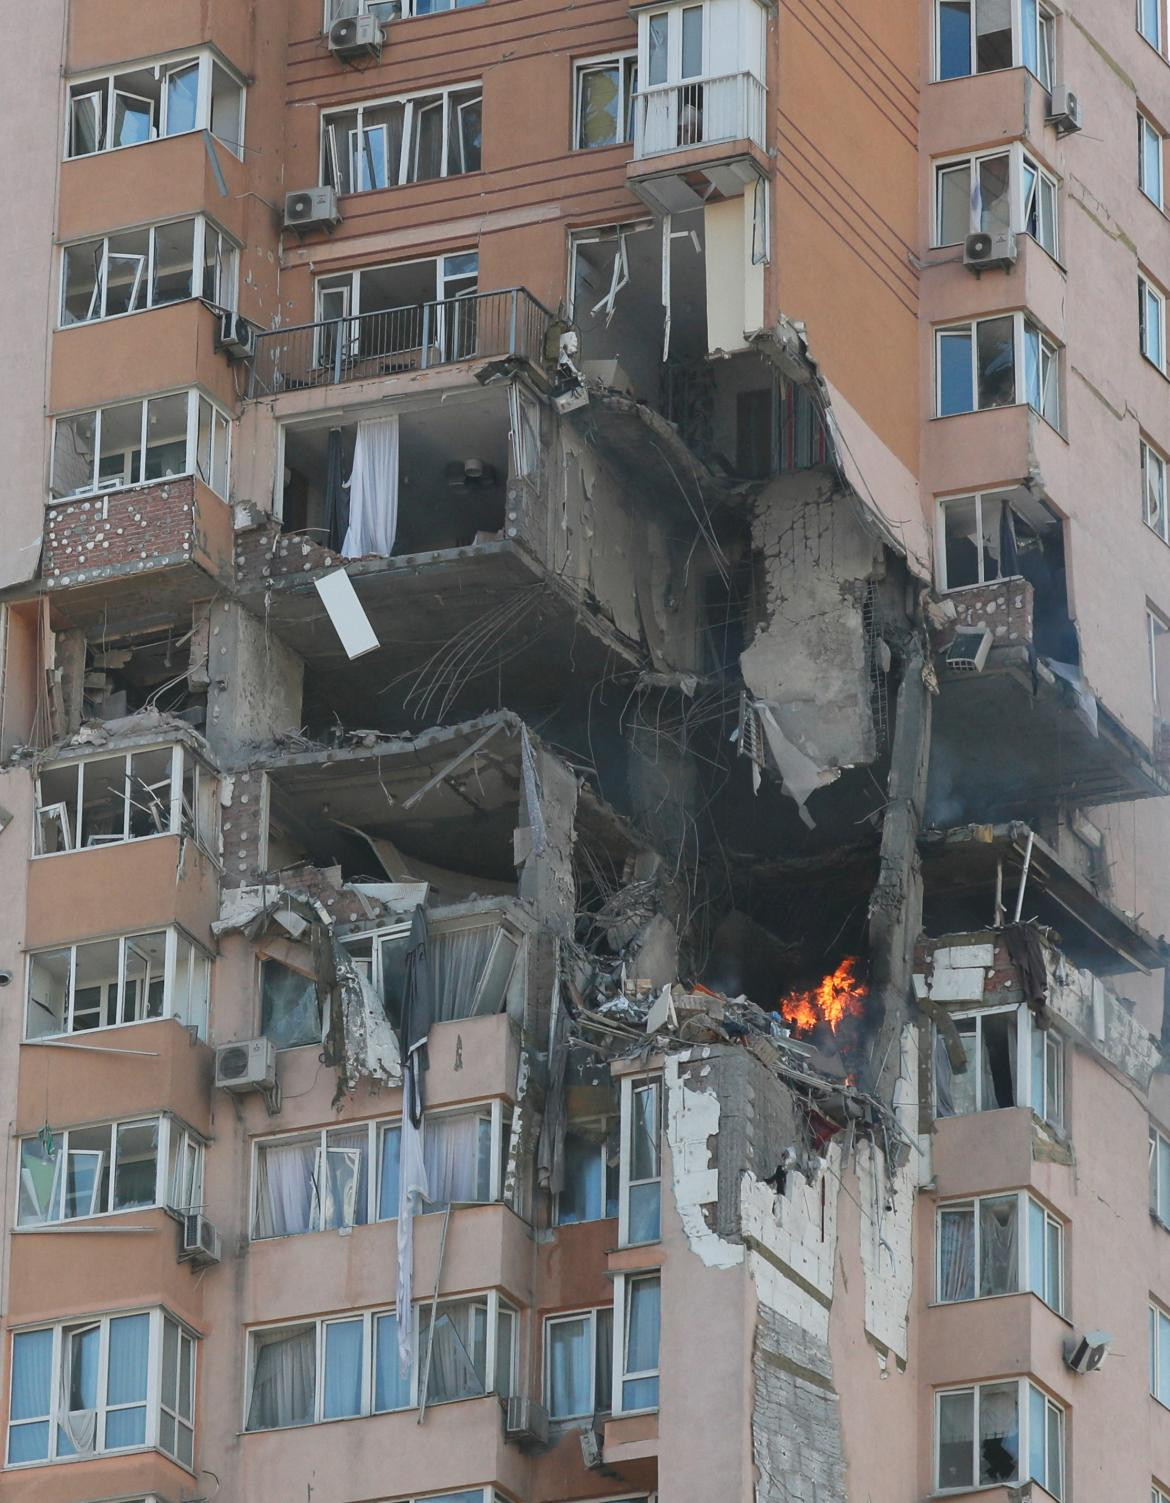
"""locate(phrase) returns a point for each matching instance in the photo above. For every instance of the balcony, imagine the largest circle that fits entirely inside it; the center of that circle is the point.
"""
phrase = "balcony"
(420, 336)
(714, 127)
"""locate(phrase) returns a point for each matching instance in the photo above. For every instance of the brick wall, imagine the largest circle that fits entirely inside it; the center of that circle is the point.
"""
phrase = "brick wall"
(119, 532)
(264, 553)
(1004, 607)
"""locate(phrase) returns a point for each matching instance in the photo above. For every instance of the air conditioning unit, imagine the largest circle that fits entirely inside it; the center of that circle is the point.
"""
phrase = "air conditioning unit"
(968, 651)
(249, 1065)
(201, 1244)
(1085, 1354)
(356, 36)
(1064, 110)
(527, 1422)
(982, 252)
(311, 209)
(236, 337)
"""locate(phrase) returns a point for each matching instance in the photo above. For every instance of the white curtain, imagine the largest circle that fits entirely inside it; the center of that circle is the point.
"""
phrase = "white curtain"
(284, 1379)
(642, 1326)
(957, 1255)
(569, 1363)
(458, 958)
(451, 1159)
(284, 1188)
(412, 1190)
(373, 490)
(999, 1256)
(458, 1351)
(77, 1410)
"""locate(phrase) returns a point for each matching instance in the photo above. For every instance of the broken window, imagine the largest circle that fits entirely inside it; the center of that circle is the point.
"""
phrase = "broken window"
(152, 100)
(578, 1364)
(131, 443)
(996, 1043)
(640, 1209)
(997, 1433)
(1160, 1176)
(1158, 643)
(590, 1190)
(410, 139)
(463, 1353)
(636, 1324)
(131, 796)
(1150, 179)
(114, 1383)
(981, 36)
(976, 364)
(472, 962)
(973, 194)
(1046, 1087)
(147, 268)
(605, 100)
(1152, 323)
(110, 982)
(999, 1244)
(289, 1014)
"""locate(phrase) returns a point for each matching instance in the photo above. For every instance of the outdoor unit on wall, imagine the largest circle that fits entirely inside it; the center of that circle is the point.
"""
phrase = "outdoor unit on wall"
(526, 1421)
(236, 337)
(356, 36)
(968, 651)
(984, 252)
(1085, 1354)
(201, 1244)
(1064, 110)
(311, 209)
(247, 1066)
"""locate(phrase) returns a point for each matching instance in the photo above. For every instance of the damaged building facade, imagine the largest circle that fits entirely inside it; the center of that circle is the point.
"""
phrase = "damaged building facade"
(584, 769)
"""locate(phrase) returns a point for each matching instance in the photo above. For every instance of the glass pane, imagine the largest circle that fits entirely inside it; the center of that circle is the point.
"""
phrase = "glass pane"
(645, 1212)
(86, 111)
(182, 98)
(569, 1365)
(640, 1393)
(392, 956)
(186, 1374)
(956, 392)
(956, 1440)
(32, 1364)
(598, 106)
(692, 41)
(999, 1433)
(603, 1362)
(288, 1006)
(961, 543)
(456, 1370)
(1054, 1290)
(285, 1196)
(28, 1442)
(87, 1172)
(954, 38)
(999, 1251)
(170, 1363)
(956, 1276)
(174, 260)
(74, 443)
(391, 1388)
(1055, 1479)
(1163, 1356)
(580, 1199)
(125, 1427)
(1036, 1221)
(135, 1171)
(81, 299)
(995, 358)
(642, 1315)
(995, 194)
(83, 1349)
(1037, 1435)
(657, 44)
(426, 151)
(39, 1168)
(390, 1145)
(505, 1349)
(129, 1348)
(1029, 18)
(346, 1183)
(954, 204)
(166, 437)
(133, 120)
(343, 1369)
(283, 1378)
(993, 34)
(644, 1132)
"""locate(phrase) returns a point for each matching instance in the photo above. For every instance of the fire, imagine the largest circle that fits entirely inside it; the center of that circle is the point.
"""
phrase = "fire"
(836, 996)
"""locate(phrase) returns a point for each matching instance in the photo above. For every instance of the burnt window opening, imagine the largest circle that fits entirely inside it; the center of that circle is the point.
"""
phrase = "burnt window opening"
(779, 429)
(163, 671)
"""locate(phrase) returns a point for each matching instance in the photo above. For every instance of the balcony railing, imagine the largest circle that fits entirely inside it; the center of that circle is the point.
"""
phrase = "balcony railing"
(699, 112)
(478, 326)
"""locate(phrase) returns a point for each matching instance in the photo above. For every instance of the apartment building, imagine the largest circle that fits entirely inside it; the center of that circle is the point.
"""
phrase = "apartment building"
(584, 771)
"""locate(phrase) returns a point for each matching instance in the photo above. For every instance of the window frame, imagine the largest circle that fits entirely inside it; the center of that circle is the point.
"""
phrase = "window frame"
(1159, 1141)
(622, 1293)
(1025, 1031)
(197, 400)
(1155, 620)
(339, 10)
(1149, 291)
(1159, 1329)
(1025, 1389)
(1157, 42)
(1024, 329)
(1020, 202)
(1044, 43)
(207, 60)
(413, 103)
(626, 63)
(596, 1350)
(204, 231)
(605, 1171)
(1026, 1206)
(1150, 136)
(943, 503)
(626, 1183)
(63, 1330)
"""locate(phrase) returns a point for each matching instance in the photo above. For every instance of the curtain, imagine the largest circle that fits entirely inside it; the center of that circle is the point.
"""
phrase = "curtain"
(957, 1255)
(569, 1361)
(373, 490)
(999, 1433)
(642, 1326)
(126, 1381)
(999, 1248)
(284, 1378)
(458, 958)
(336, 503)
(32, 1381)
(345, 1178)
(451, 1157)
(391, 1388)
(944, 1101)
(77, 1409)
(343, 1369)
(284, 1188)
(457, 1353)
(412, 1190)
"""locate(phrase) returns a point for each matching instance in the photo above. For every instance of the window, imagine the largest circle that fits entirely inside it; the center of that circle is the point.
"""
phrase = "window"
(640, 1197)
(1039, 219)
(590, 1191)
(995, 1040)
(976, 366)
(1157, 1495)
(348, 1175)
(160, 790)
(389, 142)
(133, 443)
(981, 36)
(119, 1166)
(107, 983)
(1158, 636)
(147, 268)
(89, 1388)
(636, 1329)
(1152, 323)
(1160, 1354)
(1154, 491)
(605, 101)
(978, 193)
(387, 11)
(340, 1368)
(999, 1244)
(1160, 1176)
(1149, 159)
(1149, 21)
(152, 100)
(289, 1014)
(977, 537)
(994, 1433)
(578, 1364)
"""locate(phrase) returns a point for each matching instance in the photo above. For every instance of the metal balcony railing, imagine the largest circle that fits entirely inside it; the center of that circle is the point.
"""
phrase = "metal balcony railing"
(699, 112)
(477, 326)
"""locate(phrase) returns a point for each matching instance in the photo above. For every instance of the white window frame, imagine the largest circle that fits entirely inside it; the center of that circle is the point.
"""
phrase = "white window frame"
(574, 1317)
(620, 61)
(1159, 1154)
(622, 1376)
(104, 82)
(600, 1149)
(1026, 1032)
(1155, 621)
(1025, 1389)
(1153, 350)
(153, 1401)
(626, 1183)
(1023, 329)
(1045, 43)
(1018, 198)
(196, 399)
(204, 232)
(1150, 137)
(172, 1136)
(175, 937)
(414, 103)
(1142, 8)
(1157, 1495)
(1027, 1209)
(944, 503)
(407, 10)
(1159, 1332)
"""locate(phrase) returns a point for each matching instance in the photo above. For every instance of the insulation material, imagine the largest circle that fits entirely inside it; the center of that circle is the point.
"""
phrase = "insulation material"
(887, 1218)
(346, 612)
(692, 1123)
(370, 1048)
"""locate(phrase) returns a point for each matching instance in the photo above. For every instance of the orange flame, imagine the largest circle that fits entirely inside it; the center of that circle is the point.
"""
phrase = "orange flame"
(836, 996)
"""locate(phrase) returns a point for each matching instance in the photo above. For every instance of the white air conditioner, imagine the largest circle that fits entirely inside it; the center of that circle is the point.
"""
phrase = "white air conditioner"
(1064, 110)
(1085, 1354)
(356, 36)
(982, 252)
(249, 1065)
(201, 1243)
(968, 651)
(311, 209)
(236, 337)
(527, 1421)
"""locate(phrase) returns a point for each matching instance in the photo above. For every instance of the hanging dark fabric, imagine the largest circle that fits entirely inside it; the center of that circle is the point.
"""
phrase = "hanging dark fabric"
(418, 1010)
(1009, 553)
(1027, 955)
(336, 501)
